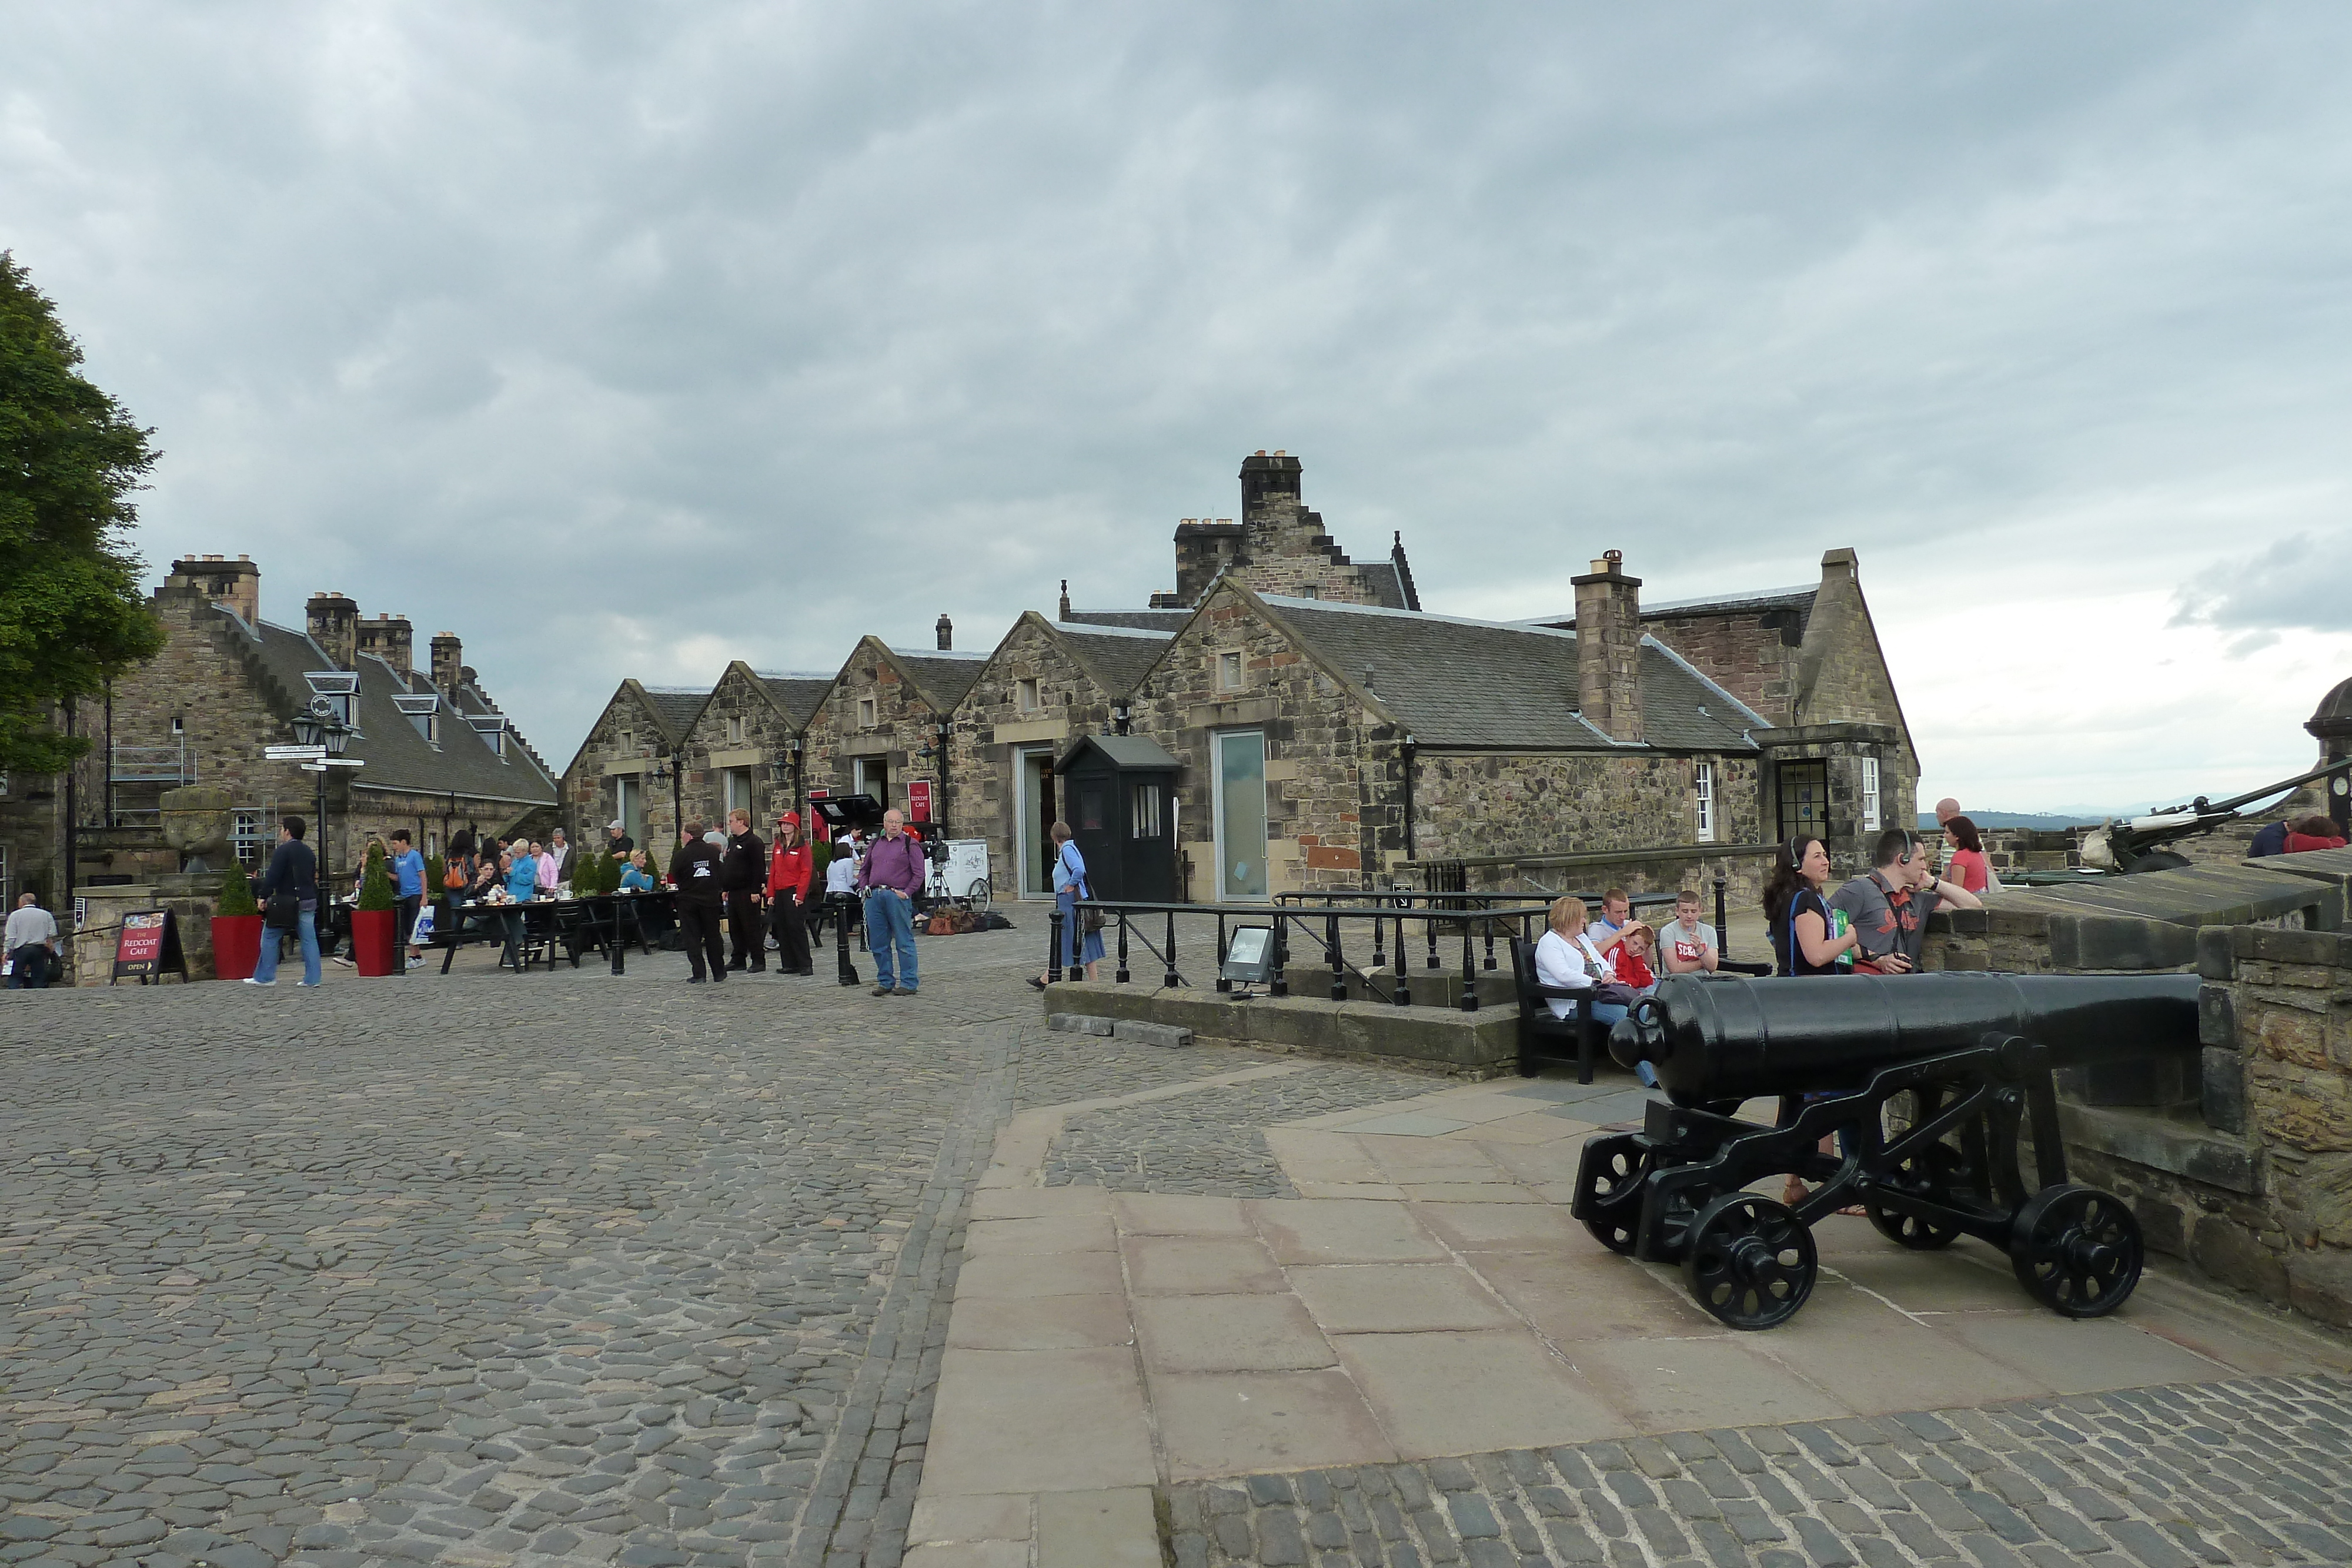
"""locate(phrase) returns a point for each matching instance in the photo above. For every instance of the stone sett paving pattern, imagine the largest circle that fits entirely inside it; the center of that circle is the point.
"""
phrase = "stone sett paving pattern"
(2251, 1472)
(490, 1270)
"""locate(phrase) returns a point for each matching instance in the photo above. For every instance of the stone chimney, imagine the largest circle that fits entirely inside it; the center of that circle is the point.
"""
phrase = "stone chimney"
(1269, 482)
(1609, 648)
(333, 622)
(448, 663)
(946, 629)
(236, 583)
(392, 639)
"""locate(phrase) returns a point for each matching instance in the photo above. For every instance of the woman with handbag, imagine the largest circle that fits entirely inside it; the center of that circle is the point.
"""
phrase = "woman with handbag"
(289, 903)
(1080, 949)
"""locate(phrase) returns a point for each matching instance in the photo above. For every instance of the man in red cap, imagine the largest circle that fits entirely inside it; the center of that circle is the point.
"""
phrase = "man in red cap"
(789, 869)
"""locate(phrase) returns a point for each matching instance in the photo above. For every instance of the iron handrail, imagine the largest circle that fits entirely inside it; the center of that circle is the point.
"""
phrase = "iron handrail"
(1283, 917)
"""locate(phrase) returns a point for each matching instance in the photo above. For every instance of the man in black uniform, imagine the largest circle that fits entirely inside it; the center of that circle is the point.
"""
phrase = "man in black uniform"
(695, 869)
(617, 843)
(745, 879)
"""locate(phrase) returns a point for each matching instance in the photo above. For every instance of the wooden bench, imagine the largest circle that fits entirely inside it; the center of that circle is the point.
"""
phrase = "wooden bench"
(1584, 1034)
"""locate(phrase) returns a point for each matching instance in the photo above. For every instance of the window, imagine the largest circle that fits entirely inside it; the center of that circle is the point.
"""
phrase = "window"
(624, 740)
(1229, 671)
(866, 719)
(492, 728)
(248, 837)
(1703, 798)
(1145, 812)
(735, 727)
(1870, 794)
(1804, 791)
(871, 775)
(1024, 695)
(738, 790)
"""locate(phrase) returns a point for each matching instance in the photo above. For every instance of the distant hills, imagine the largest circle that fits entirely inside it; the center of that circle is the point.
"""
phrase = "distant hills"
(2040, 820)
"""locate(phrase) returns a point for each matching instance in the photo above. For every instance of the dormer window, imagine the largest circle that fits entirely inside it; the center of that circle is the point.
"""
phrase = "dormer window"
(492, 728)
(341, 690)
(424, 712)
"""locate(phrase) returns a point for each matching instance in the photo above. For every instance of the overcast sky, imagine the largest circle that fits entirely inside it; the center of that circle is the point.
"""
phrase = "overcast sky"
(627, 340)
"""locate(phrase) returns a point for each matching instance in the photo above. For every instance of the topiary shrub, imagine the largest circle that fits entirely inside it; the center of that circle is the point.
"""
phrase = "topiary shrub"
(236, 895)
(820, 856)
(376, 890)
(436, 868)
(594, 874)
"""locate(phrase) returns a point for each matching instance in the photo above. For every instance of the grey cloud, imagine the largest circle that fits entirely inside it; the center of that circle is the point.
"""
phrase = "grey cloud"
(2302, 582)
(597, 333)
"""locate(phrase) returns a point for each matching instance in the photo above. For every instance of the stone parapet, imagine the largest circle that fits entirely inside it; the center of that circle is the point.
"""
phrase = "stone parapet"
(1481, 1044)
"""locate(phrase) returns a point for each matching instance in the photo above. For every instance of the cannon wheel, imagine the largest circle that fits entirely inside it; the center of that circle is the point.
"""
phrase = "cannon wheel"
(1927, 1175)
(1609, 1190)
(2076, 1250)
(1749, 1261)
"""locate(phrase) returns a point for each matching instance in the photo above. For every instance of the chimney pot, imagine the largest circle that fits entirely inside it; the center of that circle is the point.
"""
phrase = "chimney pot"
(946, 629)
(1066, 600)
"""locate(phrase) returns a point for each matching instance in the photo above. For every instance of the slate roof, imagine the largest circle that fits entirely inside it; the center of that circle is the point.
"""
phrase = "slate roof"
(798, 695)
(1124, 751)
(943, 676)
(1457, 681)
(1140, 620)
(1120, 656)
(398, 756)
(1387, 583)
(1798, 599)
(676, 708)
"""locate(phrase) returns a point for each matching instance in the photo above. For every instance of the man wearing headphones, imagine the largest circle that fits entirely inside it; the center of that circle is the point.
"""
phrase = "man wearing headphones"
(1888, 907)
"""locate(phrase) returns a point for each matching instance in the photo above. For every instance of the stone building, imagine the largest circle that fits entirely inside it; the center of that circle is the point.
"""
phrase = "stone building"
(1326, 743)
(883, 727)
(1836, 754)
(1046, 684)
(1331, 731)
(437, 754)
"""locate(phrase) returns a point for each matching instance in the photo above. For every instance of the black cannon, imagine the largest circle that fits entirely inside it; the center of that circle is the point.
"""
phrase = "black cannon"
(1923, 1080)
(2137, 843)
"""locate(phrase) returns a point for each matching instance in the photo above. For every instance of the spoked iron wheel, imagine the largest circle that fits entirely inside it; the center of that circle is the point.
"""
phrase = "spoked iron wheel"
(1609, 1190)
(1932, 1174)
(1750, 1260)
(2076, 1250)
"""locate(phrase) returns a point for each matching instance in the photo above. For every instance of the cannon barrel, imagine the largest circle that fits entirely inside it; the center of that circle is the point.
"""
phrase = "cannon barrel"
(1721, 1037)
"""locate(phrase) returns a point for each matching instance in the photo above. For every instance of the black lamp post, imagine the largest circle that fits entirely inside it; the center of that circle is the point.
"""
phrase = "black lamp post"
(665, 767)
(790, 758)
(319, 725)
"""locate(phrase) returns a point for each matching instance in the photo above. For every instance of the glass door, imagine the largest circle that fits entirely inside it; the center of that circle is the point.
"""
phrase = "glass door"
(1804, 791)
(1033, 828)
(1240, 816)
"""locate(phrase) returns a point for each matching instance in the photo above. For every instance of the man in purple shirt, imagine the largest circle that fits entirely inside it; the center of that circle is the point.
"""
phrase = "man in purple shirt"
(890, 878)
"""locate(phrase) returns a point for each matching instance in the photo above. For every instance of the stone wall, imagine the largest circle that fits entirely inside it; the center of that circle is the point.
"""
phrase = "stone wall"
(2278, 1077)
(1549, 803)
(739, 726)
(902, 728)
(1752, 655)
(1315, 740)
(990, 729)
(620, 745)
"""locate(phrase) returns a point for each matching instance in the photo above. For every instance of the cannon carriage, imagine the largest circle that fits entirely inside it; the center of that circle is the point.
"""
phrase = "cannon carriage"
(1930, 1085)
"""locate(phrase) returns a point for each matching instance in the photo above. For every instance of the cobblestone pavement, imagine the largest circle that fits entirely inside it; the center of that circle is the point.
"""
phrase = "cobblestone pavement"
(1213, 1142)
(2251, 1472)
(505, 1269)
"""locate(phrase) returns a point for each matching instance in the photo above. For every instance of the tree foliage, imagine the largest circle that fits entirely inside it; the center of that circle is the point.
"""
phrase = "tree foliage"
(375, 881)
(71, 615)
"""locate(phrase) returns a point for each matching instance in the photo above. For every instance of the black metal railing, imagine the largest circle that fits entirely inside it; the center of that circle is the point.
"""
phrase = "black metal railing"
(1327, 929)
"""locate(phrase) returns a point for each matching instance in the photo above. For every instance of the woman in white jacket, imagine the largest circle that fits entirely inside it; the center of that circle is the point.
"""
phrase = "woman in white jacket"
(1566, 958)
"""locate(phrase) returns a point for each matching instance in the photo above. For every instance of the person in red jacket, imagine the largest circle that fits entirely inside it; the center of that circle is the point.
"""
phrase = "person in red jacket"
(789, 869)
(2313, 832)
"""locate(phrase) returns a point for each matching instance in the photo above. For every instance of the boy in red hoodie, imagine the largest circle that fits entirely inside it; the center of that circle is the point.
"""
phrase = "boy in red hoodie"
(1630, 960)
(789, 869)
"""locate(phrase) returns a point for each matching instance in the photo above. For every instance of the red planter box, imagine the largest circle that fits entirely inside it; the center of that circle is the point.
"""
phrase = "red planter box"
(375, 934)
(237, 945)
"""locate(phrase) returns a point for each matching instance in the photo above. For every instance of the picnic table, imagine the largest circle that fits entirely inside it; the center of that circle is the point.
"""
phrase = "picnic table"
(607, 921)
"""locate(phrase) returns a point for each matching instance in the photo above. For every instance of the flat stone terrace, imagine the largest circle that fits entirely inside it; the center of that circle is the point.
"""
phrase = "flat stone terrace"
(500, 1271)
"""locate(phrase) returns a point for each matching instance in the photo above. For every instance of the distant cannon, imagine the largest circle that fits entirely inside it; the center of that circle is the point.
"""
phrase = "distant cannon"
(1924, 1080)
(2137, 843)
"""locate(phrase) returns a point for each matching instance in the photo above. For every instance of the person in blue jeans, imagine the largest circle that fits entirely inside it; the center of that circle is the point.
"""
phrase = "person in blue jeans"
(891, 877)
(293, 869)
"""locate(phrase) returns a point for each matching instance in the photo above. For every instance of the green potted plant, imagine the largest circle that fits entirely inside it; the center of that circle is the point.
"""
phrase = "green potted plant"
(237, 927)
(375, 921)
